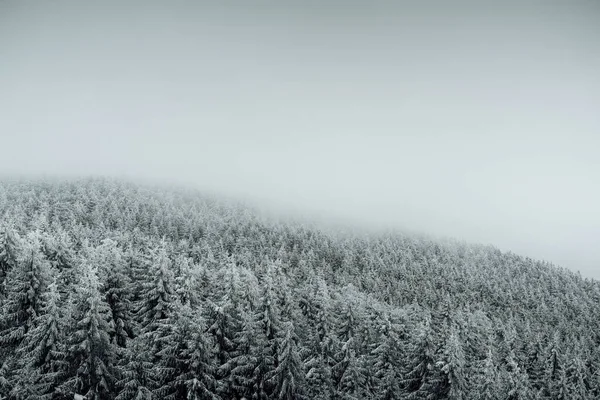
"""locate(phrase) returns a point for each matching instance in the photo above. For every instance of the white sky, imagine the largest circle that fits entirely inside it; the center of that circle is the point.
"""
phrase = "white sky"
(478, 120)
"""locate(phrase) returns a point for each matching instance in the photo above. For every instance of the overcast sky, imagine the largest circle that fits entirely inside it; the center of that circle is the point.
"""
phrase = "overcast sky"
(478, 120)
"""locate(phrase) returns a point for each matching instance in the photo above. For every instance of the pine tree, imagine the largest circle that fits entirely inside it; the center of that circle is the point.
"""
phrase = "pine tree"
(9, 248)
(347, 321)
(535, 363)
(577, 379)
(553, 368)
(137, 263)
(115, 287)
(157, 294)
(187, 281)
(156, 315)
(137, 380)
(420, 362)
(269, 317)
(386, 364)
(446, 377)
(253, 374)
(90, 354)
(317, 309)
(322, 320)
(42, 352)
(319, 380)
(486, 381)
(515, 380)
(288, 378)
(252, 360)
(454, 367)
(58, 249)
(353, 381)
(561, 386)
(27, 283)
(194, 363)
(223, 325)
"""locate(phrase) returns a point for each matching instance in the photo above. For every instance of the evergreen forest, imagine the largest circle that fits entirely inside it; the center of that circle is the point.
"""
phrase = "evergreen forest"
(118, 290)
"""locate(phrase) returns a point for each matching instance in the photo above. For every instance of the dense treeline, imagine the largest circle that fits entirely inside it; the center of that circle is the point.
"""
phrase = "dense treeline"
(117, 291)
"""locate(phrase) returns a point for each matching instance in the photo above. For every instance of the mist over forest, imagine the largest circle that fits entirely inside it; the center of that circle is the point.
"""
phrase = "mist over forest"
(468, 120)
(335, 200)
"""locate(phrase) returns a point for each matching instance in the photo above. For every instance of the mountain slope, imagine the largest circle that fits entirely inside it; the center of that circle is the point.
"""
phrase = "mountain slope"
(115, 290)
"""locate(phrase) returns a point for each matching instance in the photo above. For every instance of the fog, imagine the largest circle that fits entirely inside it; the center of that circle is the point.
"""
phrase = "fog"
(479, 120)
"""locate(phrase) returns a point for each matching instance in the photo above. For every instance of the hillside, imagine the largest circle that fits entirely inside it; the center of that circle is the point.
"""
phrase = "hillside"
(120, 291)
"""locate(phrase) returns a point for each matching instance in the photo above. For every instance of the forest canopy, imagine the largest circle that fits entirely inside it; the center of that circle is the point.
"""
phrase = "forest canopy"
(115, 290)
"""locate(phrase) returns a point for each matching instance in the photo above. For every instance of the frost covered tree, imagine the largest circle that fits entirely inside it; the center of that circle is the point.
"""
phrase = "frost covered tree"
(288, 377)
(387, 362)
(9, 247)
(269, 316)
(486, 381)
(136, 380)
(578, 379)
(252, 360)
(354, 371)
(419, 364)
(193, 368)
(26, 285)
(319, 379)
(535, 362)
(256, 347)
(157, 315)
(187, 277)
(115, 286)
(515, 381)
(223, 325)
(322, 345)
(553, 373)
(446, 378)
(90, 354)
(58, 248)
(41, 355)
(454, 367)
(157, 297)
